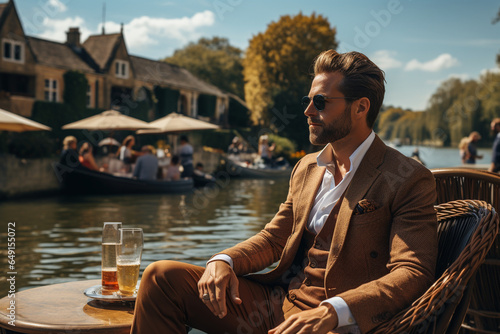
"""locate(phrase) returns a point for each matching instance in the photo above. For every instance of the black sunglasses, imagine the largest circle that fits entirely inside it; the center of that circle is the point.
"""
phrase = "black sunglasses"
(319, 101)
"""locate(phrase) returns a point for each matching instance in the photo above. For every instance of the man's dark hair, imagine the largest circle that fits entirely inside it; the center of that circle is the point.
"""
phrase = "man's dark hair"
(362, 78)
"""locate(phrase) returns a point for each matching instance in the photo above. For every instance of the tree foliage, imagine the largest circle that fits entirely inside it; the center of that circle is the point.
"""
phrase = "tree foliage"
(75, 89)
(213, 60)
(276, 67)
(454, 110)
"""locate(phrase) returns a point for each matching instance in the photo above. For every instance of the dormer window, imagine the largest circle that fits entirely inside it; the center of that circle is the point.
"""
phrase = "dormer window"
(12, 50)
(121, 69)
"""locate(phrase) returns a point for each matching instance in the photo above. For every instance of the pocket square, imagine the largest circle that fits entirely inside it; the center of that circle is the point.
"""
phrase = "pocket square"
(365, 206)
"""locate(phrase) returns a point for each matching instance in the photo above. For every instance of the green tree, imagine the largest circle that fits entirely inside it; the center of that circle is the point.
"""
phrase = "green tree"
(213, 60)
(75, 90)
(276, 70)
(387, 120)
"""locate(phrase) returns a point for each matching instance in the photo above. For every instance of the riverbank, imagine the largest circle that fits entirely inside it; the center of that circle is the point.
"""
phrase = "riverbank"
(35, 177)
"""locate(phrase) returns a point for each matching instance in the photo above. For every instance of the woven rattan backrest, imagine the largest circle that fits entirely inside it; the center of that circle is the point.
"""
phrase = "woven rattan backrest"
(463, 183)
(475, 224)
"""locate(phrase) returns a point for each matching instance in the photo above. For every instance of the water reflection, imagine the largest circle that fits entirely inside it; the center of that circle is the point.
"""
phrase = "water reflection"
(58, 239)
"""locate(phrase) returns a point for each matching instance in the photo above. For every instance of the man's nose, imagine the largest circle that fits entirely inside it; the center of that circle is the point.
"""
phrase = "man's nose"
(310, 110)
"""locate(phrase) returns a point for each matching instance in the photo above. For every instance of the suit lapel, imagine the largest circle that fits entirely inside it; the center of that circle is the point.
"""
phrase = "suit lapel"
(311, 183)
(361, 182)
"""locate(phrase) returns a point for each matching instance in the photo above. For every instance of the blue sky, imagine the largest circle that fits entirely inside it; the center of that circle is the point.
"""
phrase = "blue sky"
(419, 44)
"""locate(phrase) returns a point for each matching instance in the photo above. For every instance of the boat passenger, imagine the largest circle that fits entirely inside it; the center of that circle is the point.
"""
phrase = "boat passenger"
(69, 154)
(126, 153)
(235, 149)
(266, 150)
(186, 155)
(146, 166)
(86, 157)
(173, 170)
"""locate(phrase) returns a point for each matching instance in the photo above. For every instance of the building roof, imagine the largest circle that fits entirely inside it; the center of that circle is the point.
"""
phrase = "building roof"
(58, 55)
(3, 7)
(162, 73)
(102, 48)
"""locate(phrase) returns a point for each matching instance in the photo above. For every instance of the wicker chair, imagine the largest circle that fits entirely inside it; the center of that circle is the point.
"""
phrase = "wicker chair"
(483, 315)
(466, 231)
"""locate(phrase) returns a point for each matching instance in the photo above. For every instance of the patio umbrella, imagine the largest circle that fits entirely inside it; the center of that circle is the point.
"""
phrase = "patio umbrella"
(109, 142)
(175, 123)
(109, 120)
(13, 122)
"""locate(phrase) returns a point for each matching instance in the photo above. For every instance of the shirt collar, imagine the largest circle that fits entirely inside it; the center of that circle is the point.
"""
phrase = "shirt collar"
(325, 157)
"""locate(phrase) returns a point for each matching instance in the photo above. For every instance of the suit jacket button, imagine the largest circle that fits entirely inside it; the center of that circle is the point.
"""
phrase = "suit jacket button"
(292, 297)
(373, 254)
(313, 264)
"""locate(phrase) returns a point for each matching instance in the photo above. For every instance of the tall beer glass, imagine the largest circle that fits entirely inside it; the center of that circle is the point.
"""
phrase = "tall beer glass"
(110, 240)
(128, 259)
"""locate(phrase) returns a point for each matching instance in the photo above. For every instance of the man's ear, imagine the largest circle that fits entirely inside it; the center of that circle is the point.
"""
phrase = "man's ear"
(362, 106)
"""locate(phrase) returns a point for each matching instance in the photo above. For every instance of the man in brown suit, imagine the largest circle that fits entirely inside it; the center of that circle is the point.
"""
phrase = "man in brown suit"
(355, 239)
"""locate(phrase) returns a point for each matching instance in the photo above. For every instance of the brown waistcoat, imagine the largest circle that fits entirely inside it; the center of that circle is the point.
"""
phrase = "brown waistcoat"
(307, 289)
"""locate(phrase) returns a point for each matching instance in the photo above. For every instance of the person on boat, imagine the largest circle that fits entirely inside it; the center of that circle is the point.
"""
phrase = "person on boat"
(186, 154)
(69, 155)
(235, 148)
(146, 167)
(495, 159)
(173, 170)
(126, 153)
(416, 156)
(463, 150)
(474, 137)
(266, 150)
(355, 242)
(86, 157)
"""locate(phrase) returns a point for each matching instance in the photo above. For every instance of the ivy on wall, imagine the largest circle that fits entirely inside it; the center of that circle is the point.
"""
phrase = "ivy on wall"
(167, 100)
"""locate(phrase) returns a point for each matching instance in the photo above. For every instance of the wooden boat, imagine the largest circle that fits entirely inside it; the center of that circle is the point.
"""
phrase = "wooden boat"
(257, 171)
(84, 181)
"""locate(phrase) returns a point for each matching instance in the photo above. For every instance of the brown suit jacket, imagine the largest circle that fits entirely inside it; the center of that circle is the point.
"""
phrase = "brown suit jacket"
(379, 262)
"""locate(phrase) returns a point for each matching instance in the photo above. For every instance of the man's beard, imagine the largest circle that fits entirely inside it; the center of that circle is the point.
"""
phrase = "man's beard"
(334, 131)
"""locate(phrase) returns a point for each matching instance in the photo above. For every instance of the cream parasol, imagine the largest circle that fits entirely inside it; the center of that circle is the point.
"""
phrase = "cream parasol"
(109, 120)
(175, 123)
(13, 122)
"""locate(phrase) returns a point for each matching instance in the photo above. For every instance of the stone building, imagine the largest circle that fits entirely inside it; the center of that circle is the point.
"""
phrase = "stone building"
(32, 69)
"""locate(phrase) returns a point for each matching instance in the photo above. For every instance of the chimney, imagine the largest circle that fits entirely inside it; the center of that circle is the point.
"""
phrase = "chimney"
(73, 37)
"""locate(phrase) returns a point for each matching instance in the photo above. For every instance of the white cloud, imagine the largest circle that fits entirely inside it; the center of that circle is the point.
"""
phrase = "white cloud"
(494, 70)
(57, 5)
(145, 31)
(385, 59)
(140, 32)
(56, 29)
(443, 61)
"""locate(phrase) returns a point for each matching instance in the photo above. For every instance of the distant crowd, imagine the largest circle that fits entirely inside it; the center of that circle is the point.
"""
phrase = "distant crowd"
(142, 165)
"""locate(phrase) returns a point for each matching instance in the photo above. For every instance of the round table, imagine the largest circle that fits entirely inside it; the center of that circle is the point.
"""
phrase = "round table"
(63, 307)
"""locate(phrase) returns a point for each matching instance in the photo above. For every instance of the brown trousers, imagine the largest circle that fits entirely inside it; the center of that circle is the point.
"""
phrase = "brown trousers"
(168, 301)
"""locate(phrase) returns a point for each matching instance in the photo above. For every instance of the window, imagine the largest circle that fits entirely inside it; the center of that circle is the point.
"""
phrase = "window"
(121, 69)
(50, 90)
(89, 96)
(13, 51)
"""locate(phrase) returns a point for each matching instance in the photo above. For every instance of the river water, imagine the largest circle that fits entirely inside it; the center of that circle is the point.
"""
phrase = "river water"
(58, 238)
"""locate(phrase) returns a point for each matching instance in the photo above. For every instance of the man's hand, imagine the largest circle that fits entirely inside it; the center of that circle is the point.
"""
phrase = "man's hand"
(216, 280)
(319, 320)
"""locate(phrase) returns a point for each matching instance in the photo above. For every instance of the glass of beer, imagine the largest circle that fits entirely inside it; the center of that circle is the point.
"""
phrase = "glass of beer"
(128, 259)
(110, 240)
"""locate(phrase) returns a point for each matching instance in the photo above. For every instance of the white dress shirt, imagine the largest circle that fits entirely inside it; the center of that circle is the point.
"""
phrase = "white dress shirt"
(328, 195)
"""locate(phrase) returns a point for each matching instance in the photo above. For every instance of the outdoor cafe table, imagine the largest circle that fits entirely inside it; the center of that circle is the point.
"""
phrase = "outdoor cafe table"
(63, 308)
